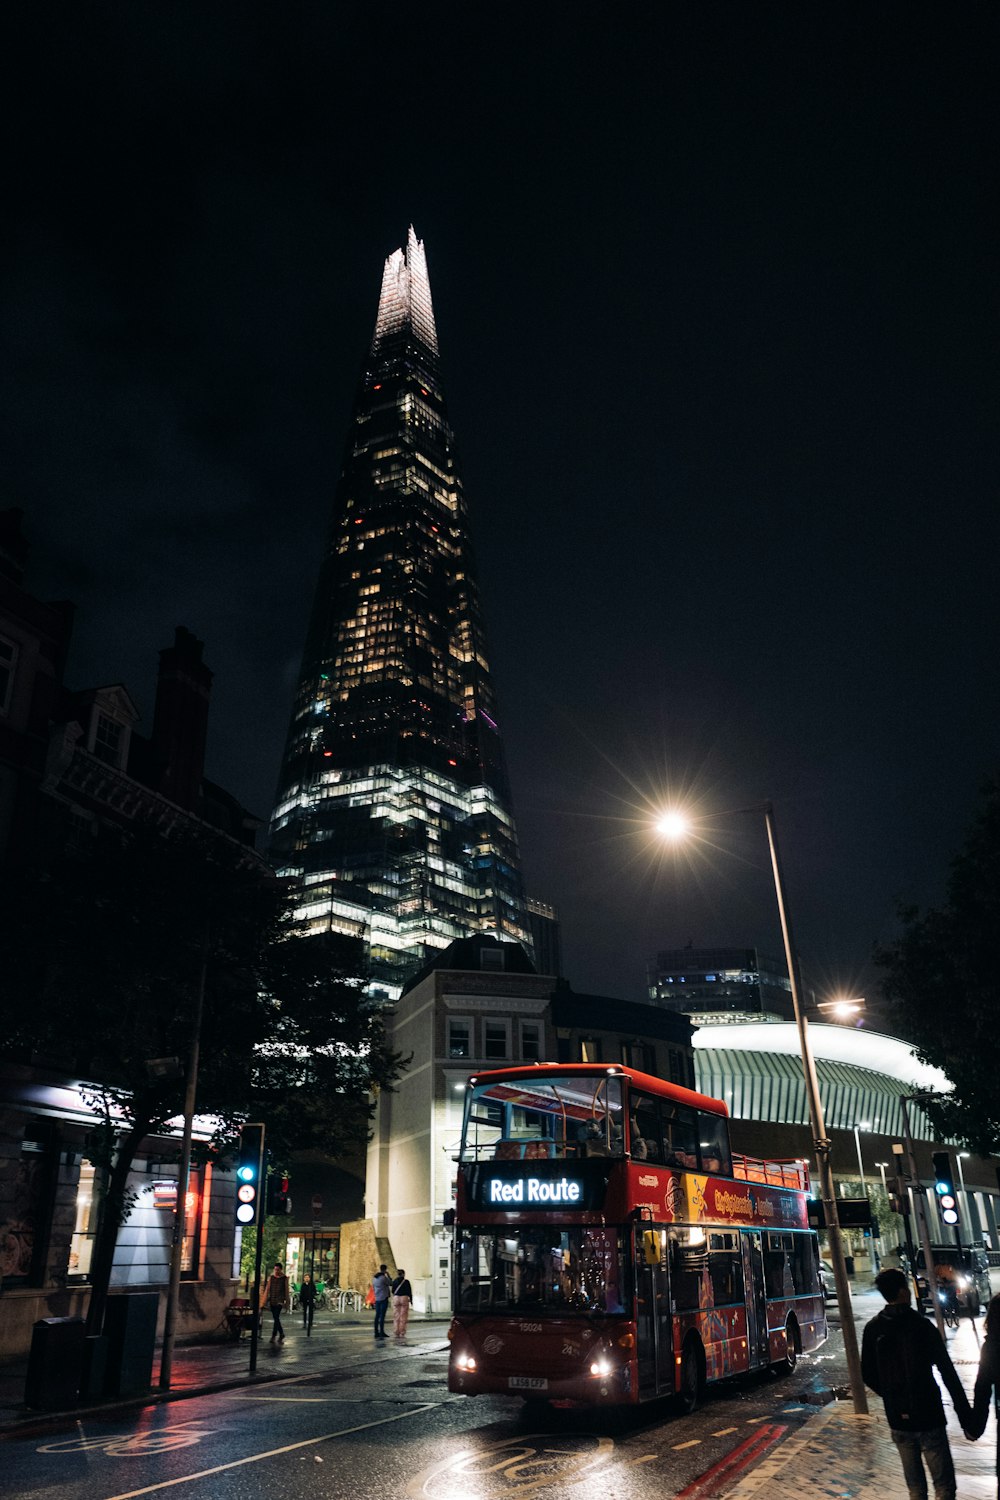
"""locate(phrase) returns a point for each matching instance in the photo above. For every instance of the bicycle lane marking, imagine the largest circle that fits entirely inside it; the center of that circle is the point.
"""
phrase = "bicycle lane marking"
(254, 1458)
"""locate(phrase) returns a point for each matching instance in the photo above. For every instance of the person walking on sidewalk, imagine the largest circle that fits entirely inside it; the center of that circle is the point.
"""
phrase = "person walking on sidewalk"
(381, 1286)
(276, 1298)
(402, 1296)
(988, 1379)
(307, 1301)
(899, 1350)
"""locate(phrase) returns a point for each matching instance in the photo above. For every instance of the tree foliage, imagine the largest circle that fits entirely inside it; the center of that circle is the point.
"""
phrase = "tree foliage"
(942, 981)
(105, 952)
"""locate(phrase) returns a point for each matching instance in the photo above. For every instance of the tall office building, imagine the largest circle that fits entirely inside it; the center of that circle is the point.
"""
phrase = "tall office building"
(713, 985)
(393, 805)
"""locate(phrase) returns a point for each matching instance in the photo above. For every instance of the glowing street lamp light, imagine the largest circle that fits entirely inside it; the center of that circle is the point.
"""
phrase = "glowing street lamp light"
(674, 825)
(842, 1009)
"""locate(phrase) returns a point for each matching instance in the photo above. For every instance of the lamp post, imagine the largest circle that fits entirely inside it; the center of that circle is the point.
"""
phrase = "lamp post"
(965, 1194)
(861, 1166)
(674, 826)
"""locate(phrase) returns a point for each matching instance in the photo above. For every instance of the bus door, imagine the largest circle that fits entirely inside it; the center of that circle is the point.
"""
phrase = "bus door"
(654, 1347)
(753, 1276)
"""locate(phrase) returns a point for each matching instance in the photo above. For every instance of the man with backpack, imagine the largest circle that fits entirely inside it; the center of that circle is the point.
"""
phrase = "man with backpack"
(381, 1286)
(899, 1352)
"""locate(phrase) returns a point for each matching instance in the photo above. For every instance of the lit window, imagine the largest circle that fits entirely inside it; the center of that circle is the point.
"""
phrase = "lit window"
(81, 1245)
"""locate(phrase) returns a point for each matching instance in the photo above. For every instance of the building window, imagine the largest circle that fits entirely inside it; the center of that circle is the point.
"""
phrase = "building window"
(108, 740)
(531, 1041)
(81, 1245)
(641, 1055)
(676, 1066)
(491, 959)
(496, 1040)
(590, 1049)
(459, 1037)
(24, 1215)
(8, 661)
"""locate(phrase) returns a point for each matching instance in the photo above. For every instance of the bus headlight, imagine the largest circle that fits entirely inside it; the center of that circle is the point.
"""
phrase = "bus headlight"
(465, 1361)
(601, 1366)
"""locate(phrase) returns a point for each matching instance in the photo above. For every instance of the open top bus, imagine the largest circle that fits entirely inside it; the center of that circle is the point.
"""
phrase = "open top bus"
(610, 1248)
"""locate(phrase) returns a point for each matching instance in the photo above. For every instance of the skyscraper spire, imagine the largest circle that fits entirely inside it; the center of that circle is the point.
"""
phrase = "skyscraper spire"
(406, 297)
(393, 806)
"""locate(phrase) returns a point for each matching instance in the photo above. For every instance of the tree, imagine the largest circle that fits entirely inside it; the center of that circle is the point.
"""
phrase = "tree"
(942, 983)
(105, 952)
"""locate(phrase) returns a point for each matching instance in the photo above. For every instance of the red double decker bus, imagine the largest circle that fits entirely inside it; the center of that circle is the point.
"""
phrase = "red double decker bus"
(610, 1248)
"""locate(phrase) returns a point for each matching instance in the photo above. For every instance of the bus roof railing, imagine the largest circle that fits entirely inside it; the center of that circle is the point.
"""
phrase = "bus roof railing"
(792, 1173)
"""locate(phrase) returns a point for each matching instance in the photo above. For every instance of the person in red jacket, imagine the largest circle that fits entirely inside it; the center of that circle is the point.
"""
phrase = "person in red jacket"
(899, 1352)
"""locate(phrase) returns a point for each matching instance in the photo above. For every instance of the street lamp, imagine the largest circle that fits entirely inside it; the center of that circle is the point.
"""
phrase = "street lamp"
(674, 825)
(861, 1166)
(965, 1194)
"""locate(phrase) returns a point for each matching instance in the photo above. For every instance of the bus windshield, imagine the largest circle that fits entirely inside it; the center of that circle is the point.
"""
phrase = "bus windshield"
(534, 1118)
(544, 1270)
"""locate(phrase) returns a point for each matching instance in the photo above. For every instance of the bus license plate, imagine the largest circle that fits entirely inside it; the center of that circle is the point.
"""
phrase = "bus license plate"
(527, 1383)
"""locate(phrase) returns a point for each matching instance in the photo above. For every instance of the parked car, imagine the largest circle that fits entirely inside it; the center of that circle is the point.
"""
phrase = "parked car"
(969, 1268)
(827, 1280)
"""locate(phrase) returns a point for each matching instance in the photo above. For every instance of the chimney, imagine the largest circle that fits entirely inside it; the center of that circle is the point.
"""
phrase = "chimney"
(180, 719)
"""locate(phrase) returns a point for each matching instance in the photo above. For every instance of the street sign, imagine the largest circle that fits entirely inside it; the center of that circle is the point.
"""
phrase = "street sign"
(317, 1223)
(317, 1203)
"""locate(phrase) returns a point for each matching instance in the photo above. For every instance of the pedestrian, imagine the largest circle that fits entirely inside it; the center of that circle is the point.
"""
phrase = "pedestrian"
(381, 1286)
(307, 1301)
(402, 1296)
(988, 1379)
(899, 1351)
(276, 1298)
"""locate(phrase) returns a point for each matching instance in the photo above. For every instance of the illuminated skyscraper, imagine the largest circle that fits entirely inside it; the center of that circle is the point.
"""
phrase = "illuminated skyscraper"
(393, 804)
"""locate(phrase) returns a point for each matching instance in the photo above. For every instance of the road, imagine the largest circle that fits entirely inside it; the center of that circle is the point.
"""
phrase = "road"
(355, 1421)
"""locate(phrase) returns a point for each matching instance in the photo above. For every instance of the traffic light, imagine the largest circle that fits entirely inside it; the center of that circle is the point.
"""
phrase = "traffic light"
(944, 1186)
(278, 1200)
(249, 1170)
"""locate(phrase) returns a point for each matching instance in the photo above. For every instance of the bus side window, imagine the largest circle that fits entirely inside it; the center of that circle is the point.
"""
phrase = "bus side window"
(644, 1129)
(777, 1265)
(725, 1267)
(685, 1275)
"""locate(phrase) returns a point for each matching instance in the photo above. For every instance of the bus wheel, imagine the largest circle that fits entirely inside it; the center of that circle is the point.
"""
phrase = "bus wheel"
(786, 1365)
(692, 1387)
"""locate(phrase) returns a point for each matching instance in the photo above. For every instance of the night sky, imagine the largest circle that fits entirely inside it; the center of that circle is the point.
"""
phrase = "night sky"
(716, 289)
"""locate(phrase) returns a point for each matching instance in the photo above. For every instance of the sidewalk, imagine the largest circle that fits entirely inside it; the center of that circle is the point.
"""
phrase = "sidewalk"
(223, 1365)
(840, 1456)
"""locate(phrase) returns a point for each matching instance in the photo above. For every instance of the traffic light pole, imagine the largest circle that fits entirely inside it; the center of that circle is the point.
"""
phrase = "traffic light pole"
(255, 1294)
(920, 1209)
(183, 1176)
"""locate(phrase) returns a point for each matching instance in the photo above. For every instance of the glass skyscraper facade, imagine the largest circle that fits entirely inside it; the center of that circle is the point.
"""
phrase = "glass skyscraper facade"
(393, 806)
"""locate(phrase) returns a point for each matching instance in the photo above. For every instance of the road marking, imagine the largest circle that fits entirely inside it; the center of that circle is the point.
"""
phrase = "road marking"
(723, 1432)
(692, 1443)
(647, 1458)
(254, 1458)
(751, 1420)
(318, 1399)
(717, 1479)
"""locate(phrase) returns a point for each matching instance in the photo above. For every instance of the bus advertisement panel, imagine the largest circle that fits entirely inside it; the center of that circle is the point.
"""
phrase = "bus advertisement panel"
(609, 1248)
